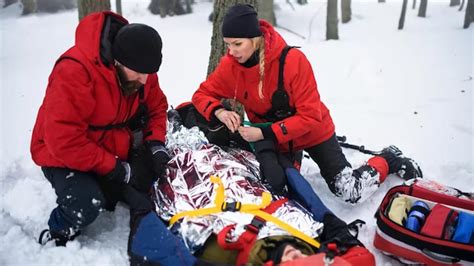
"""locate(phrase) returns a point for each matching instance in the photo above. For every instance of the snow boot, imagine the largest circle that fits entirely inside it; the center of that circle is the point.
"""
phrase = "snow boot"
(60, 238)
(398, 164)
(337, 231)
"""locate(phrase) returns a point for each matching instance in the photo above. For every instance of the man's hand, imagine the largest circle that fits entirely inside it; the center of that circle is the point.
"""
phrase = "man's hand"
(160, 157)
(230, 118)
(251, 134)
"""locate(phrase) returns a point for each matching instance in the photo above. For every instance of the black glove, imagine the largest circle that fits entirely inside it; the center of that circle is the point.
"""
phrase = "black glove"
(160, 157)
(138, 173)
(336, 230)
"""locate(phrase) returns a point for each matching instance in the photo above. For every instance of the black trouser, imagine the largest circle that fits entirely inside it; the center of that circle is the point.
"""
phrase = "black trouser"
(81, 197)
(329, 157)
(352, 185)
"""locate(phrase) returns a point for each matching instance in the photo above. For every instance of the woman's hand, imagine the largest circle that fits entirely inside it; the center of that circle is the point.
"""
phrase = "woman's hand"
(251, 134)
(230, 118)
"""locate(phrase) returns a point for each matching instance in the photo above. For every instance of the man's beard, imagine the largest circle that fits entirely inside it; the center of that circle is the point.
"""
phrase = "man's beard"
(128, 87)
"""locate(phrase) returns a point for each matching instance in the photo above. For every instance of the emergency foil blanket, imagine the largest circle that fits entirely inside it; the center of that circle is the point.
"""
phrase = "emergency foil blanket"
(187, 186)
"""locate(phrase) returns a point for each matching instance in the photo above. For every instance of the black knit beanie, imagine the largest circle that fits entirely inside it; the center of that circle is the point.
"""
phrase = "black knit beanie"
(138, 47)
(241, 21)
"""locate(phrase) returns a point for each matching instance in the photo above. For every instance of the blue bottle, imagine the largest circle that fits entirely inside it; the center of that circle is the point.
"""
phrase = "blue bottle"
(417, 215)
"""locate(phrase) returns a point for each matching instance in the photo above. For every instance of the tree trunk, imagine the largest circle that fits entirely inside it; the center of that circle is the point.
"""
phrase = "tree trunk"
(302, 2)
(86, 7)
(9, 2)
(118, 6)
(169, 7)
(346, 11)
(265, 11)
(469, 14)
(454, 3)
(217, 43)
(29, 6)
(331, 21)
(414, 4)
(401, 22)
(462, 5)
(422, 9)
(381, 1)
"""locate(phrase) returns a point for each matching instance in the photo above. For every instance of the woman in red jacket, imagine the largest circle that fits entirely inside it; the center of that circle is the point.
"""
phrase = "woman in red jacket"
(249, 74)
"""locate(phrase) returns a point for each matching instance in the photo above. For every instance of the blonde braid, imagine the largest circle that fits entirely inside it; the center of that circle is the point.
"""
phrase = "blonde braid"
(259, 43)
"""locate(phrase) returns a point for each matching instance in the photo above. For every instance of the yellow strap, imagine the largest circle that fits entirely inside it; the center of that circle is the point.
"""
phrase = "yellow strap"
(254, 209)
(290, 229)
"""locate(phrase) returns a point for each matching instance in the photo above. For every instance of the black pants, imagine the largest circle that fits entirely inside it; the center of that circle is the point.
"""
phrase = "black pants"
(351, 185)
(329, 157)
(81, 197)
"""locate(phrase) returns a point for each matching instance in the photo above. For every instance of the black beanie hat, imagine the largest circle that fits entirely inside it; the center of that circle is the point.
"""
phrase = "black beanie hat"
(138, 47)
(241, 21)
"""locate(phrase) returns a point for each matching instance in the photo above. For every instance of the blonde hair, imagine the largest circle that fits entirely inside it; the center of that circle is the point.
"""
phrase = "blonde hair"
(259, 44)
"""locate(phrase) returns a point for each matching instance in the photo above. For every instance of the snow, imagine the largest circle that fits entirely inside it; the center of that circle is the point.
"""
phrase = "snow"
(412, 88)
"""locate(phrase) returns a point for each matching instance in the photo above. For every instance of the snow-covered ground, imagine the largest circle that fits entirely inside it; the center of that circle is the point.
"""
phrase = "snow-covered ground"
(412, 88)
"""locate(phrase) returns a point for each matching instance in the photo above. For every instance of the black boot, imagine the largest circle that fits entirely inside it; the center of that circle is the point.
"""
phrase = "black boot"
(336, 230)
(398, 164)
(60, 238)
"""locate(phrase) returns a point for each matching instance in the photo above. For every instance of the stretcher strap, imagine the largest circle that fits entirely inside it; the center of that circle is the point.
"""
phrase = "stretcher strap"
(257, 210)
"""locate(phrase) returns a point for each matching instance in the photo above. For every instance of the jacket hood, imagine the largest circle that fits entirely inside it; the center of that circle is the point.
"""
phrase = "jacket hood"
(95, 34)
(274, 43)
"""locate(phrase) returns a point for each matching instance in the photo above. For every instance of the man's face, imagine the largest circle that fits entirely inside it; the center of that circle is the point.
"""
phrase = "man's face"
(240, 48)
(130, 80)
(291, 253)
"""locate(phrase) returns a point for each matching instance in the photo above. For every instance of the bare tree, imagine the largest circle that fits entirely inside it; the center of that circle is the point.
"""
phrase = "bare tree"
(401, 22)
(169, 7)
(217, 43)
(89, 6)
(331, 21)
(462, 5)
(118, 6)
(346, 11)
(381, 1)
(414, 4)
(469, 14)
(454, 3)
(29, 6)
(422, 9)
(265, 11)
(302, 2)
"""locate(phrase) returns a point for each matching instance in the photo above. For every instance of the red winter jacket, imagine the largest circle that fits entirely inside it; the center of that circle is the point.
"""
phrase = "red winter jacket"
(311, 124)
(82, 91)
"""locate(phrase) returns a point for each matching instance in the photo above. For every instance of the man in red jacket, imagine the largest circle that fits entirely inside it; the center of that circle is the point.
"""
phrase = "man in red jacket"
(100, 132)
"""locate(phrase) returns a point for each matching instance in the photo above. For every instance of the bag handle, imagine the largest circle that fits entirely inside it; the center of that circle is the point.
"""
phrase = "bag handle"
(439, 258)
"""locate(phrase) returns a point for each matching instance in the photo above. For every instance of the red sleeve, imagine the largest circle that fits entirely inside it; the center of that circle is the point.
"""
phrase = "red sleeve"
(157, 106)
(300, 82)
(68, 105)
(219, 85)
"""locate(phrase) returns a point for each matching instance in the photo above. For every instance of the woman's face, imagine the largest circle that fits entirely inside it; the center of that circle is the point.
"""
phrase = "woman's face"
(240, 48)
(291, 253)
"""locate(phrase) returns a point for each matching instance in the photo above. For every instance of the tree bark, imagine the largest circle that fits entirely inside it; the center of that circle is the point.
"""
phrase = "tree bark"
(462, 5)
(29, 6)
(217, 43)
(422, 9)
(331, 21)
(265, 11)
(469, 14)
(454, 3)
(346, 12)
(86, 7)
(401, 22)
(118, 6)
(414, 4)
